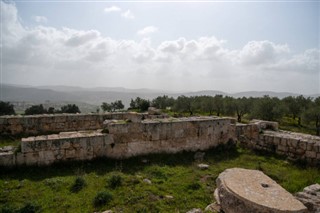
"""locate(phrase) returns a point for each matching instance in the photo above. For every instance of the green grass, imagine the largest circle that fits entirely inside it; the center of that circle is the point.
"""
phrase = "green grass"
(9, 141)
(48, 188)
(289, 124)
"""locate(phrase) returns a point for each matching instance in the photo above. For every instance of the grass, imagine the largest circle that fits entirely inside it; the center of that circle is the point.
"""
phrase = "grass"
(9, 141)
(289, 124)
(177, 184)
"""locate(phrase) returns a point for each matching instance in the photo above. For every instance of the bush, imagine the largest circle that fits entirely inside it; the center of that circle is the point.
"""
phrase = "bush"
(30, 208)
(78, 184)
(6, 108)
(102, 198)
(115, 181)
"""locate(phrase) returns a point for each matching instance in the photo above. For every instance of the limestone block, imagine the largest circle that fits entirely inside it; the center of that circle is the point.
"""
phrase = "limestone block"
(46, 156)
(310, 146)
(59, 154)
(31, 158)
(310, 197)
(7, 159)
(283, 148)
(292, 142)
(302, 144)
(311, 154)
(283, 141)
(20, 158)
(70, 153)
(251, 191)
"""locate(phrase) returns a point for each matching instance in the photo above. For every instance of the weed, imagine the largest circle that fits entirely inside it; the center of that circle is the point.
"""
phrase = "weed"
(30, 207)
(102, 198)
(78, 184)
(115, 181)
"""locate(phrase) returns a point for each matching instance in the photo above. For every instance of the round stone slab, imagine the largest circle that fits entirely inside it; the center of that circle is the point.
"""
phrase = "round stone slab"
(250, 191)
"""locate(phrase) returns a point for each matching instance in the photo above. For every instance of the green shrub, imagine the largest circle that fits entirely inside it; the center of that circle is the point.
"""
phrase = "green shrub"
(8, 209)
(115, 181)
(78, 184)
(102, 198)
(30, 208)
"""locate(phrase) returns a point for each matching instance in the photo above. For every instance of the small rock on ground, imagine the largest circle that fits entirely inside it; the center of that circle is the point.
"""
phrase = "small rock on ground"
(194, 211)
(203, 166)
(213, 207)
(147, 181)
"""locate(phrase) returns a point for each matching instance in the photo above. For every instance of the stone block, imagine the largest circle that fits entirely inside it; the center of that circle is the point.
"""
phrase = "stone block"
(7, 159)
(251, 191)
(70, 153)
(311, 154)
(31, 158)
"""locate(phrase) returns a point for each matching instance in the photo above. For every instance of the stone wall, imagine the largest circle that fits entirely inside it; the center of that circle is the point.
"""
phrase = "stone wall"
(123, 139)
(296, 146)
(44, 124)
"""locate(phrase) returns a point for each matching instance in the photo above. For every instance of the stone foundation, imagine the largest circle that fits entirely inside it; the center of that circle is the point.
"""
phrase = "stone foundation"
(123, 139)
(44, 124)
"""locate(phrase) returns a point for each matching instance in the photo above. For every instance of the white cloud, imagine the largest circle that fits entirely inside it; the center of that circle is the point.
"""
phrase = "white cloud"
(147, 30)
(262, 52)
(42, 55)
(128, 15)
(40, 19)
(112, 9)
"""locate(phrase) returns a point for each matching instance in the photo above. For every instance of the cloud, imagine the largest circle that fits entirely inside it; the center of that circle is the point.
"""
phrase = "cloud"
(46, 55)
(128, 15)
(40, 19)
(112, 9)
(261, 52)
(147, 30)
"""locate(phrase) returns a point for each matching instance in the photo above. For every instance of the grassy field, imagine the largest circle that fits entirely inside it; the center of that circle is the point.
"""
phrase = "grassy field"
(177, 185)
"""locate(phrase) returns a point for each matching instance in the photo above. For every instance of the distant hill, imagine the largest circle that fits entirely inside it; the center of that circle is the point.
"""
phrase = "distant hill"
(95, 96)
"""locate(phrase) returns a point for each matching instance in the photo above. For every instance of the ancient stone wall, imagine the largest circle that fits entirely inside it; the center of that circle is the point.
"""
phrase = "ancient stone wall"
(44, 124)
(123, 139)
(296, 146)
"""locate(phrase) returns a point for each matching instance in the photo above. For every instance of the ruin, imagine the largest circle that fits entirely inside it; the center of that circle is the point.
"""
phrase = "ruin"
(123, 135)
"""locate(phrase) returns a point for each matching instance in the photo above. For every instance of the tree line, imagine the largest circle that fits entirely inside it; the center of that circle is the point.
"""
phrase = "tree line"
(302, 110)
(6, 108)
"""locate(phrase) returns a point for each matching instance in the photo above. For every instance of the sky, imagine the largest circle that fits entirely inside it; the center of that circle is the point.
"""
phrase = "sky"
(231, 46)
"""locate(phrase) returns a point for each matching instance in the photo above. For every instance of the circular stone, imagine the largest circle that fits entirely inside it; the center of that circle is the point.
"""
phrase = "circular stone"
(243, 190)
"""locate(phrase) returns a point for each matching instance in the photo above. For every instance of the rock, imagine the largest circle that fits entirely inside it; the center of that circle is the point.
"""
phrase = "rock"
(310, 197)
(154, 111)
(250, 191)
(147, 181)
(145, 161)
(169, 196)
(108, 211)
(203, 166)
(194, 211)
(213, 207)
(199, 156)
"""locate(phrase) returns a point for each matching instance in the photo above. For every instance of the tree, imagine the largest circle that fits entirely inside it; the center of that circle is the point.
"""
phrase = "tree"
(229, 106)
(106, 107)
(266, 108)
(51, 110)
(185, 104)
(312, 114)
(35, 110)
(70, 108)
(6, 108)
(117, 105)
(218, 104)
(140, 104)
(162, 102)
(207, 104)
(242, 106)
